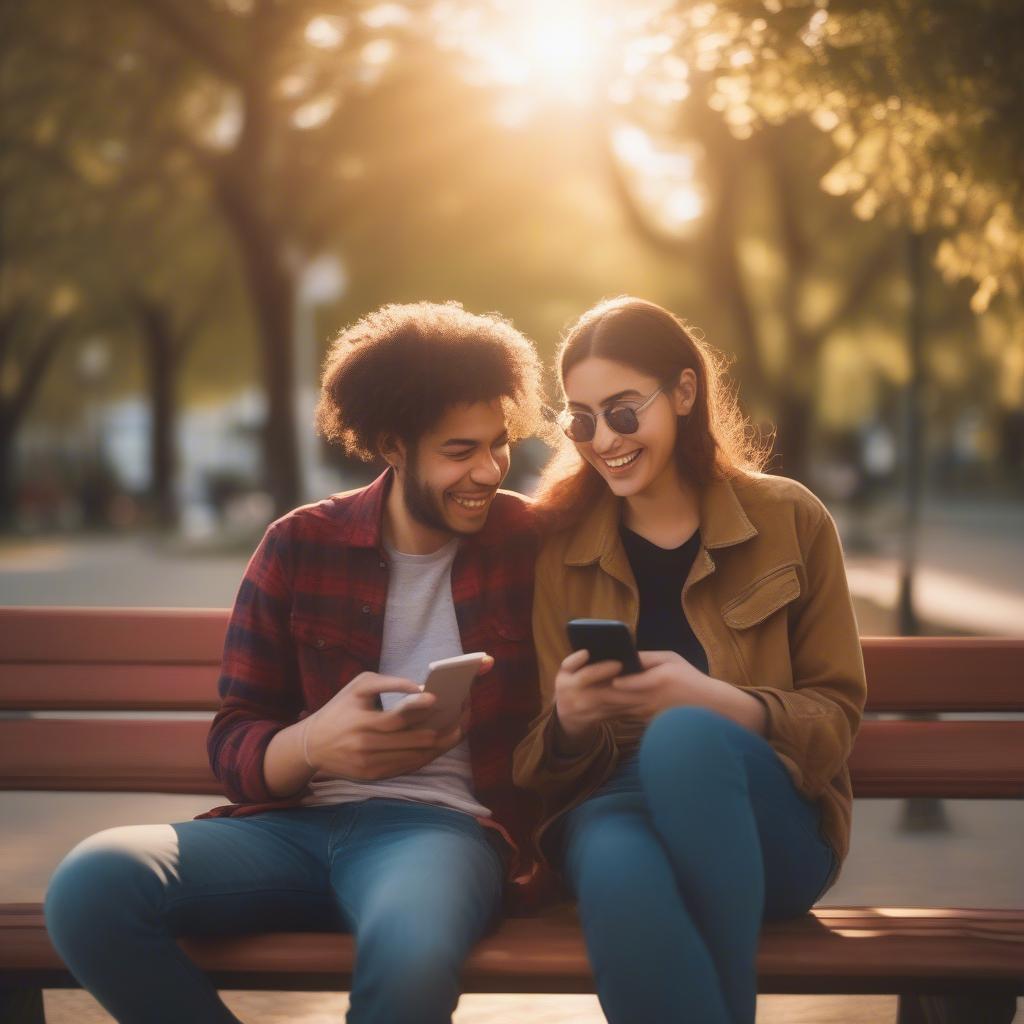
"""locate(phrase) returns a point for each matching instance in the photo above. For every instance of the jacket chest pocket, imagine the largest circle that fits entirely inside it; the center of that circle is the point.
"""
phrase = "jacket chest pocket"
(325, 658)
(762, 598)
(758, 633)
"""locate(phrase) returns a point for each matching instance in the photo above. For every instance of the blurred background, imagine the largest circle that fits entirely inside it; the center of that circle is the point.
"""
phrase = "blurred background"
(196, 196)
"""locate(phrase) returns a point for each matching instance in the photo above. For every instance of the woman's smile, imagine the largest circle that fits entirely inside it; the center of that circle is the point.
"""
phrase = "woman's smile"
(621, 463)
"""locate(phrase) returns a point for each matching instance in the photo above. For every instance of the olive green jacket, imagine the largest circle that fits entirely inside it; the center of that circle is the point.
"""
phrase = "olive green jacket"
(768, 600)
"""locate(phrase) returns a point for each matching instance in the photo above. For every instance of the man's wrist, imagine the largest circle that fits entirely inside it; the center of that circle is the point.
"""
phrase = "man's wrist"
(304, 744)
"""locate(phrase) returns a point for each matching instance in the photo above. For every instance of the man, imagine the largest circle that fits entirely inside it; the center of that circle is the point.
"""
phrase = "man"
(349, 812)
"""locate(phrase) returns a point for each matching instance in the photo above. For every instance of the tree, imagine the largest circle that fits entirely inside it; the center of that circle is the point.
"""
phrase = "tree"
(234, 103)
(922, 101)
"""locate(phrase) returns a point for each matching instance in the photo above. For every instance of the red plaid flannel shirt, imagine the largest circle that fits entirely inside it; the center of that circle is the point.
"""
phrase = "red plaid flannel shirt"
(309, 617)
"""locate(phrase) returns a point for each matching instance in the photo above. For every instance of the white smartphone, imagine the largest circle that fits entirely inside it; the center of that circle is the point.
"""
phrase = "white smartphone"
(449, 680)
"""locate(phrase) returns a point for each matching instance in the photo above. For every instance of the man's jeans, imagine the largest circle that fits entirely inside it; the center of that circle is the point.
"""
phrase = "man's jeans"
(417, 885)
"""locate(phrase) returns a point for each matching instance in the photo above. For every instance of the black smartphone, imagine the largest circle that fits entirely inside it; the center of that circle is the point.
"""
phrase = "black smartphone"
(606, 640)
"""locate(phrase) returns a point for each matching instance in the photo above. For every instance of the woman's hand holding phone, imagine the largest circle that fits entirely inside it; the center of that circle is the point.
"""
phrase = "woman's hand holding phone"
(587, 694)
(585, 697)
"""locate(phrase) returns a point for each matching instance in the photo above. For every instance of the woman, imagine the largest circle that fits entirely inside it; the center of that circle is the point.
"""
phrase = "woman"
(709, 792)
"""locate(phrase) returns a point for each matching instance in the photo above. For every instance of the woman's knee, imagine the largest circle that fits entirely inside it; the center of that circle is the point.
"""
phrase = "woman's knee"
(104, 879)
(688, 734)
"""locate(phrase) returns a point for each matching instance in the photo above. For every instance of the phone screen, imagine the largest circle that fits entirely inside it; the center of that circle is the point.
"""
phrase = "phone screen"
(450, 680)
(606, 640)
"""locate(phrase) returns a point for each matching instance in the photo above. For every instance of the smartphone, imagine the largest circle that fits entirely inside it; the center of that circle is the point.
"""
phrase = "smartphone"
(605, 640)
(449, 680)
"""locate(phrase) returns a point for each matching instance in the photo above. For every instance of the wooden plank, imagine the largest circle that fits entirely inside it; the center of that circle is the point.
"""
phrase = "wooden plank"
(890, 759)
(983, 674)
(105, 756)
(109, 687)
(171, 636)
(831, 949)
(944, 673)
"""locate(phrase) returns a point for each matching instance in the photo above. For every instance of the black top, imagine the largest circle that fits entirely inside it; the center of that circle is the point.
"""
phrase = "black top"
(660, 574)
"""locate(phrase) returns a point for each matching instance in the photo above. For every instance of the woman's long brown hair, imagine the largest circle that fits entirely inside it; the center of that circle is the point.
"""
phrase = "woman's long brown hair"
(714, 440)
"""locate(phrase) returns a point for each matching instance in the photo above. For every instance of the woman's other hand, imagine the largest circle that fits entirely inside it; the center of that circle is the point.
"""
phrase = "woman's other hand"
(670, 681)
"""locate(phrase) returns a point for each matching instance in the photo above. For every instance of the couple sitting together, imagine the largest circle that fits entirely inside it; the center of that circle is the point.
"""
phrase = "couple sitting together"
(682, 805)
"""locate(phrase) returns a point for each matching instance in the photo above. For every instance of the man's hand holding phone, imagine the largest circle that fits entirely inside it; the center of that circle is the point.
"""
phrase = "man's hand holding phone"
(350, 736)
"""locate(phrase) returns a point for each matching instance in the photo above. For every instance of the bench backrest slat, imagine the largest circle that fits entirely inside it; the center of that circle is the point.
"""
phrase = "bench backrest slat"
(109, 660)
(944, 673)
(165, 636)
(890, 759)
(905, 674)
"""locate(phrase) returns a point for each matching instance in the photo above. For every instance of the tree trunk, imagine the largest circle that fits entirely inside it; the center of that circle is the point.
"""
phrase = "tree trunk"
(273, 289)
(162, 368)
(913, 433)
(243, 184)
(724, 164)
(15, 408)
(795, 423)
(6, 474)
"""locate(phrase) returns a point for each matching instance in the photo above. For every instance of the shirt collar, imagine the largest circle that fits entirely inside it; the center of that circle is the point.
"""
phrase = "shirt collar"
(360, 514)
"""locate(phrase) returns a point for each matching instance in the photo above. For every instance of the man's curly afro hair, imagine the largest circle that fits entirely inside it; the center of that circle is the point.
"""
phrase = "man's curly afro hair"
(396, 371)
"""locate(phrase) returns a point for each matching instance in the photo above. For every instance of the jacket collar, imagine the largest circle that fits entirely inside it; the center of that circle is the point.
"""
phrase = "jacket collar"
(723, 523)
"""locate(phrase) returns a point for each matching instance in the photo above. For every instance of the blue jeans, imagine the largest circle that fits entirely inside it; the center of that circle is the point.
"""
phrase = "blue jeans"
(679, 858)
(417, 885)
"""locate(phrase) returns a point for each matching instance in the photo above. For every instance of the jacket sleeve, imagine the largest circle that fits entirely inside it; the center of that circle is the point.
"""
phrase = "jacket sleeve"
(259, 687)
(812, 726)
(536, 764)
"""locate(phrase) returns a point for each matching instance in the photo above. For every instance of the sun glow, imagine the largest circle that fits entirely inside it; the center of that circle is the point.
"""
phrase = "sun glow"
(662, 175)
(602, 56)
(553, 50)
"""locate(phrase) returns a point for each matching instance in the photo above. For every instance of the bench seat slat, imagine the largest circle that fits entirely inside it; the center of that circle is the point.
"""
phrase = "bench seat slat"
(868, 949)
(105, 756)
(890, 758)
(109, 687)
(940, 759)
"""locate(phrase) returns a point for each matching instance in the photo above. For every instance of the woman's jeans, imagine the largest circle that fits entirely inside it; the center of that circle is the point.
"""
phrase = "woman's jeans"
(679, 858)
(416, 884)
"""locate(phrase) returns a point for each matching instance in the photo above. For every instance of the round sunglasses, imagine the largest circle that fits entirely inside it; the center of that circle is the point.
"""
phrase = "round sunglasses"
(581, 426)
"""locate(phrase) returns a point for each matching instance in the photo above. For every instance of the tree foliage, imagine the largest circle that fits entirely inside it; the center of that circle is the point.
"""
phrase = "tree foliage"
(921, 99)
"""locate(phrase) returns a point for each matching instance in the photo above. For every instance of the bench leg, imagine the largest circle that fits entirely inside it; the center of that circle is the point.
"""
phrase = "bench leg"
(22, 1006)
(996, 1006)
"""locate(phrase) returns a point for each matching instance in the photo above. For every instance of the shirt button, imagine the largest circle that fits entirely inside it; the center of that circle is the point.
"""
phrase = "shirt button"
(320, 642)
(383, 564)
(366, 609)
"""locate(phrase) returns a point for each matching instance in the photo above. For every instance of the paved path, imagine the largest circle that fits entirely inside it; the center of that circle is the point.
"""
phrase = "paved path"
(970, 577)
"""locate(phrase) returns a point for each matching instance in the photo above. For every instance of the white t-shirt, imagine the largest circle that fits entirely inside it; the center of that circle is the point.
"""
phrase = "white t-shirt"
(419, 627)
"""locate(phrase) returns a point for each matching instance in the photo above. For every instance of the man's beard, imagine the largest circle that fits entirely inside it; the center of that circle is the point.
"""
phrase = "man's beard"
(423, 505)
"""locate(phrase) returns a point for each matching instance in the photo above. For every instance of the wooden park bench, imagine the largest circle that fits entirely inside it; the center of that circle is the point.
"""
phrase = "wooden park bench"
(945, 963)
